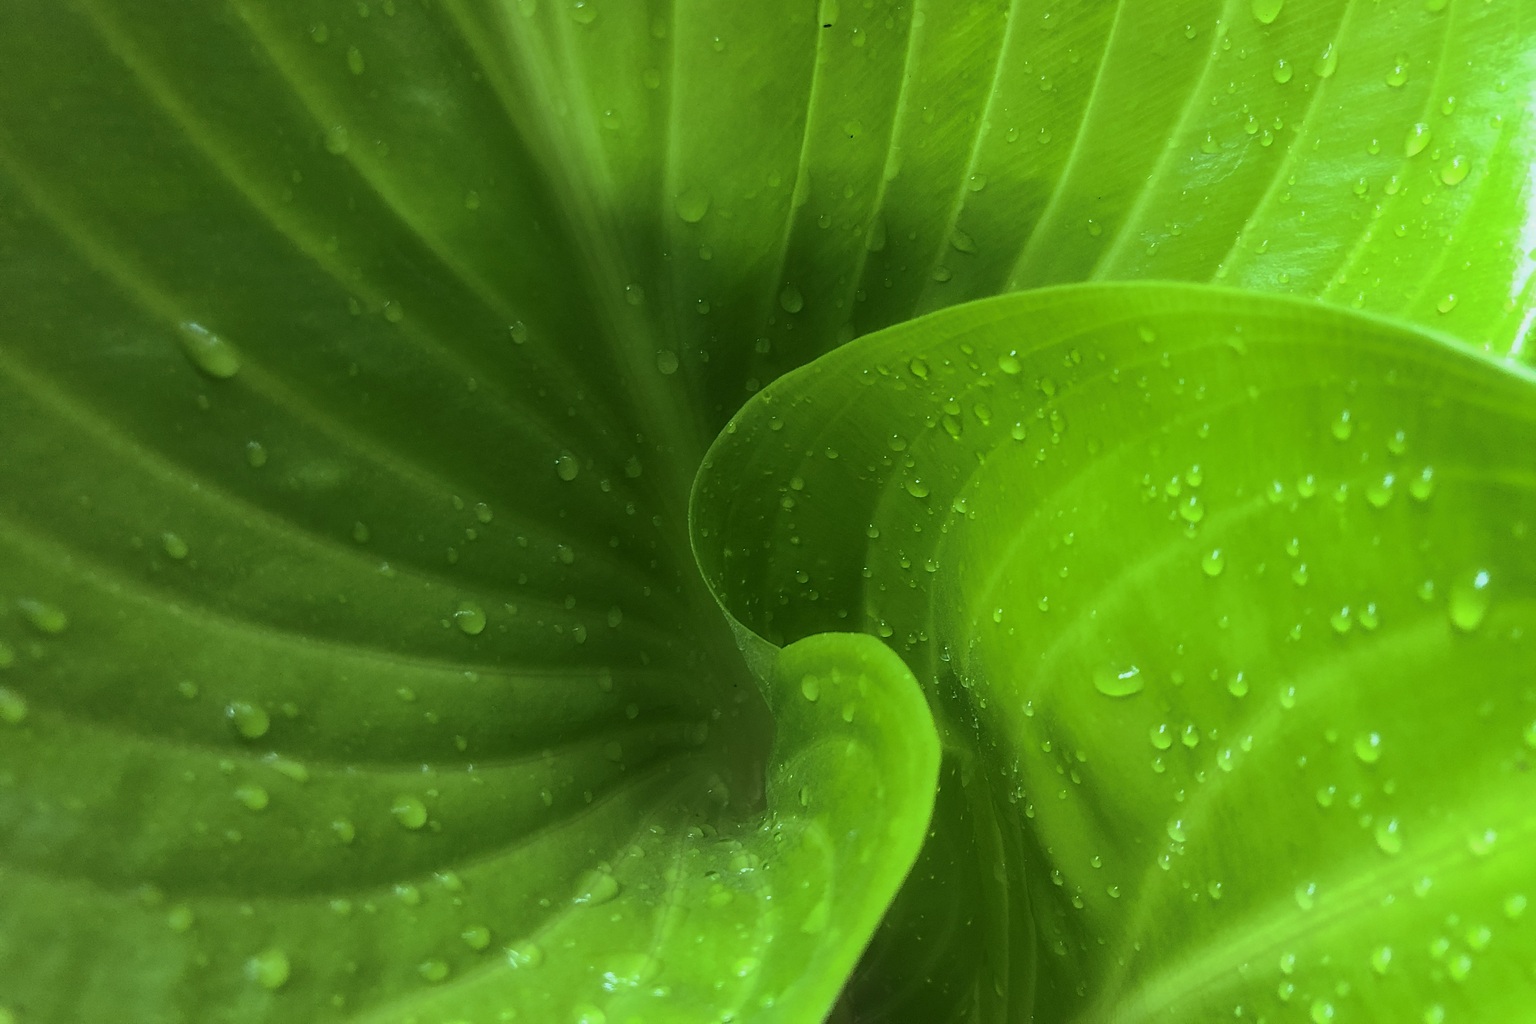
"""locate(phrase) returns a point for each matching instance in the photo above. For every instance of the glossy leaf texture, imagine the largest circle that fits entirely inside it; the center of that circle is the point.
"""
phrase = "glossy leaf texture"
(811, 172)
(353, 663)
(1228, 601)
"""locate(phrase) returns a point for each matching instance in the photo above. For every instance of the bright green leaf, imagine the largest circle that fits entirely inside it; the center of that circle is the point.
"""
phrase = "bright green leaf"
(1230, 600)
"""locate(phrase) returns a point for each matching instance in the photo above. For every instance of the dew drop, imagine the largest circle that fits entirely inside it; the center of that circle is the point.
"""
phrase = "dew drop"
(250, 720)
(207, 351)
(1282, 71)
(666, 362)
(597, 888)
(810, 688)
(174, 546)
(790, 299)
(692, 204)
(254, 797)
(1368, 747)
(1388, 837)
(1176, 831)
(1381, 959)
(13, 707)
(476, 937)
(1469, 601)
(1213, 562)
(470, 618)
(1417, 139)
(1455, 171)
(409, 811)
(269, 968)
(433, 971)
(1009, 364)
(1327, 62)
(337, 140)
(355, 60)
(1118, 682)
(566, 468)
(1266, 11)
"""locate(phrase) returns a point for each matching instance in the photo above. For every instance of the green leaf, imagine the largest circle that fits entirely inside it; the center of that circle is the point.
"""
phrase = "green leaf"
(353, 663)
(1228, 603)
(357, 359)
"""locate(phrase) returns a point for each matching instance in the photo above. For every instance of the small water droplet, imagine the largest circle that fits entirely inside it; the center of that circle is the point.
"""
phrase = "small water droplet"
(433, 971)
(470, 618)
(1455, 171)
(790, 299)
(810, 688)
(269, 968)
(1469, 600)
(1213, 562)
(1381, 959)
(1368, 747)
(566, 468)
(252, 796)
(1417, 139)
(337, 140)
(1176, 831)
(692, 204)
(355, 60)
(596, 888)
(1282, 71)
(250, 720)
(13, 707)
(174, 546)
(1327, 62)
(208, 351)
(1388, 837)
(409, 811)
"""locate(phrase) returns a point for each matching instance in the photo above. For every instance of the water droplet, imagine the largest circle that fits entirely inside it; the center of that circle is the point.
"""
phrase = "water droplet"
(1379, 493)
(666, 362)
(252, 796)
(255, 454)
(1161, 736)
(917, 488)
(1455, 171)
(174, 546)
(337, 140)
(1009, 364)
(470, 618)
(13, 707)
(1266, 11)
(518, 332)
(583, 12)
(355, 60)
(1417, 139)
(1282, 71)
(207, 351)
(1514, 906)
(1176, 831)
(524, 954)
(1469, 601)
(1388, 837)
(1118, 682)
(1213, 562)
(918, 367)
(596, 888)
(1447, 302)
(1322, 1011)
(566, 468)
(1342, 426)
(1191, 511)
(790, 299)
(409, 811)
(1397, 77)
(345, 830)
(1306, 895)
(810, 688)
(476, 937)
(1368, 747)
(1327, 62)
(433, 971)
(269, 968)
(692, 204)
(1237, 686)
(1423, 485)
(1381, 959)
(250, 720)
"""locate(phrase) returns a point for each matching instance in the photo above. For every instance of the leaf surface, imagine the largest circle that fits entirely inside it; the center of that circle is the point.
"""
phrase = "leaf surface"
(1225, 603)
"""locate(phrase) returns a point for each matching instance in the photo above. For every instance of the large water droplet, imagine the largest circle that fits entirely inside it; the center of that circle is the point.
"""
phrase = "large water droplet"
(1118, 682)
(596, 888)
(250, 720)
(1266, 11)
